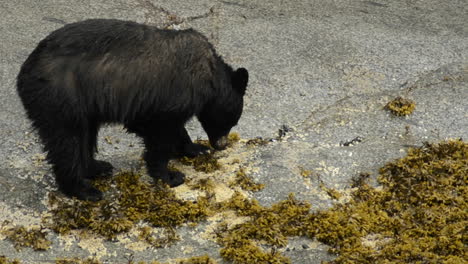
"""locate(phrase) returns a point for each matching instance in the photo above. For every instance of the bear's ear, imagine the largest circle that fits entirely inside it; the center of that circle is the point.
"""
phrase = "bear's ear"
(240, 78)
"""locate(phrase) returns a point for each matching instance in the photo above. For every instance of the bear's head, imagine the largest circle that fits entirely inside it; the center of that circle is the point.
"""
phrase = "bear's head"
(222, 113)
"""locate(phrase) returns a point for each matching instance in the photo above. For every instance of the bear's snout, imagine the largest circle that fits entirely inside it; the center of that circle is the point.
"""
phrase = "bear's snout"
(220, 144)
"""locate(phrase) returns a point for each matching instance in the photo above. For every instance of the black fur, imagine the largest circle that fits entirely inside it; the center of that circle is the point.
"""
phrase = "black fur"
(109, 71)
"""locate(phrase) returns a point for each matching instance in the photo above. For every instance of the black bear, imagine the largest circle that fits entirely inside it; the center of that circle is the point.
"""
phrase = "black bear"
(150, 80)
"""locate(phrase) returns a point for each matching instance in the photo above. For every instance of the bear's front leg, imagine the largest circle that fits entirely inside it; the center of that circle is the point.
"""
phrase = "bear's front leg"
(185, 146)
(159, 146)
(156, 162)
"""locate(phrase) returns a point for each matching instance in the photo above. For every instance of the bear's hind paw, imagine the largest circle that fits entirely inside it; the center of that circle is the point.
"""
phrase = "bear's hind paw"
(86, 192)
(171, 178)
(100, 169)
(176, 178)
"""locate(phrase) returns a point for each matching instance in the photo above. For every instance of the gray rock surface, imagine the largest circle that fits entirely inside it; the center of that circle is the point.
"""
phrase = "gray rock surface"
(325, 69)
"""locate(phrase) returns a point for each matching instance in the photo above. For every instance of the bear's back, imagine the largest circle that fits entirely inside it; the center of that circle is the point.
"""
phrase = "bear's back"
(111, 65)
(96, 37)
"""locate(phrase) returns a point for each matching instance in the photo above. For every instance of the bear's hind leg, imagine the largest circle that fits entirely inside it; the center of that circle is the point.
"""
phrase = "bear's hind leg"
(68, 153)
(97, 168)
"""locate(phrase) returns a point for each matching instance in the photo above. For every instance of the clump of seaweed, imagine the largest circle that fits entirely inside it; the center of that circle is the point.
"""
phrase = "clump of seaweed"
(419, 215)
(203, 142)
(334, 194)
(206, 185)
(268, 227)
(4, 260)
(193, 260)
(135, 201)
(104, 218)
(242, 205)
(35, 238)
(157, 204)
(206, 163)
(360, 179)
(102, 183)
(258, 141)
(304, 172)
(109, 220)
(245, 182)
(130, 260)
(233, 138)
(198, 260)
(401, 106)
(77, 261)
(241, 250)
(168, 237)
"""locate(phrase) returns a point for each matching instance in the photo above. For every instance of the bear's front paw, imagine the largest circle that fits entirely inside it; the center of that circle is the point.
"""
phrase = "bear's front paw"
(85, 191)
(171, 178)
(176, 178)
(100, 169)
(192, 150)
